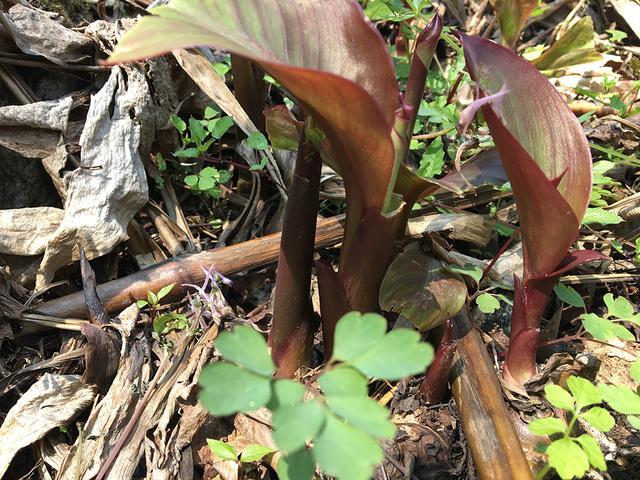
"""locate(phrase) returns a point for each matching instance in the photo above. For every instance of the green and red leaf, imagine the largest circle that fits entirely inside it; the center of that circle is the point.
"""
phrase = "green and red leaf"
(327, 54)
(543, 147)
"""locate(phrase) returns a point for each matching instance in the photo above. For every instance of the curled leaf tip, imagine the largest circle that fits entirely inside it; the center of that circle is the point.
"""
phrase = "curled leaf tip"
(428, 39)
(469, 113)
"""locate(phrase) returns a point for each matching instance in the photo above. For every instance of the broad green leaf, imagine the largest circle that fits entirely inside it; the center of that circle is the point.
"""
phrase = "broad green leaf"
(142, 303)
(432, 160)
(618, 307)
(356, 334)
(223, 450)
(601, 217)
(559, 397)
(567, 458)
(419, 287)
(247, 348)
(487, 303)
(539, 140)
(219, 126)
(592, 450)
(197, 129)
(634, 371)
(569, 295)
(295, 425)
(309, 48)
(399, 354)
(603, 329)
(621, 399)
(547, 426)
(211, 112)
(472, 271)
(583, 391)
(254, 452)
(298, 465)
(346, 452)
(343, 381)
(177, 122)
(228, 389)
(257, 141)
(364, 413)
(191, 152)
(575, 47)
(634, 421)
(164, 291)
(286, 392)
(206, 183)
(599, 418)
(210, 172)
(191, 180)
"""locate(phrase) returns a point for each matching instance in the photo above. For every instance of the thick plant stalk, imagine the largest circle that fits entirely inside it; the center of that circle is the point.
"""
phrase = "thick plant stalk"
(294, 321)
(119, 294)
(495, 446)
(434, 385)
(249, 89)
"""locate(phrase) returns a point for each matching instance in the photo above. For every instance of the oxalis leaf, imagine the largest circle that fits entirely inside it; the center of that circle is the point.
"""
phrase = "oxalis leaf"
(361, 342)
(247, 348)
(227, 389)
(541, 143)
(334, 447)
(352, 86)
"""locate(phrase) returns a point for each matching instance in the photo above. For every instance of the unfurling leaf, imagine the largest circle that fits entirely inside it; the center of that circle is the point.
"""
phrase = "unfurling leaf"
(541, 143)
(419, 287)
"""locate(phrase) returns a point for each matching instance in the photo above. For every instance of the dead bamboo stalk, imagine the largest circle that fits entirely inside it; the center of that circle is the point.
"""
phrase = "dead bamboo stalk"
(119, 294)
(495, 446)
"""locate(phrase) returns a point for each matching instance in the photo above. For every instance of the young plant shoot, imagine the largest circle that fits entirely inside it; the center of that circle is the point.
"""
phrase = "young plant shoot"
(335, 63)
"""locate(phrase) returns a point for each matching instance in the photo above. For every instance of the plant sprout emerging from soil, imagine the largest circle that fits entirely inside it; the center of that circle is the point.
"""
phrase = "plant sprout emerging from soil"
(335, 63)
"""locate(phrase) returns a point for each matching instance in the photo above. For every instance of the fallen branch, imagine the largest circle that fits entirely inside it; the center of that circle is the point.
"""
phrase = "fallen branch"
(494, 443)
(119, 294)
